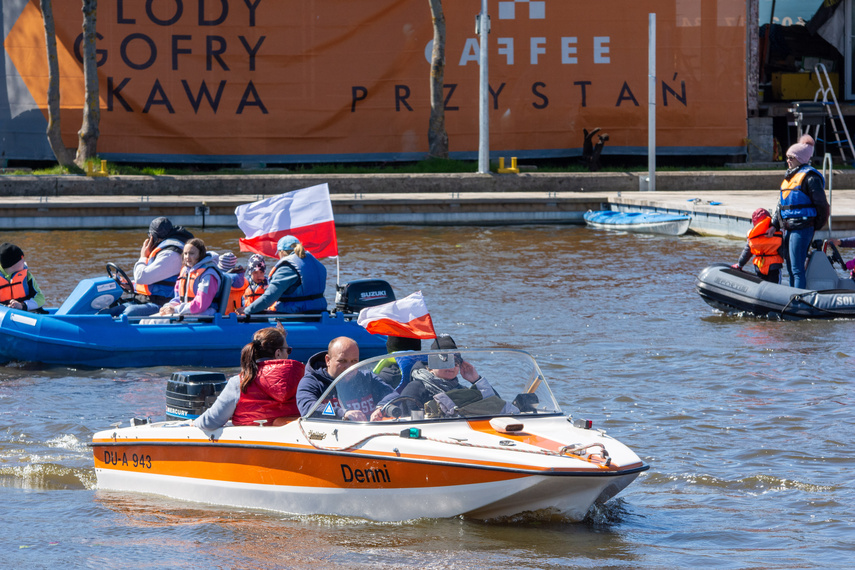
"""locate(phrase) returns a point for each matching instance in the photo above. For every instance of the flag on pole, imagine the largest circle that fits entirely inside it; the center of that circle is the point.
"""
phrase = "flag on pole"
(305, 214)
(407, 317)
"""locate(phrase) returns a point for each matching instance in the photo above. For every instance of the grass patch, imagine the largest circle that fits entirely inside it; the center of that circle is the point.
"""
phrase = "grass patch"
(610, 164)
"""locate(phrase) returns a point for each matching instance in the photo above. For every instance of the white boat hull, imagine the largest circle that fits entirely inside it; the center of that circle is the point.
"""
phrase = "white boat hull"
(675, 228)
(480, 501)
(389, 478)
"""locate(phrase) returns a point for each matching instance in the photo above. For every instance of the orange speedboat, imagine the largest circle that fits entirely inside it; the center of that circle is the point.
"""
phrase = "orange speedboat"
(478, 453)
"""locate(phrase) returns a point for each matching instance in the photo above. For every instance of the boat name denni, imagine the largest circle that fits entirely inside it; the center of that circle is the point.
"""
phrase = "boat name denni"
(365, 475)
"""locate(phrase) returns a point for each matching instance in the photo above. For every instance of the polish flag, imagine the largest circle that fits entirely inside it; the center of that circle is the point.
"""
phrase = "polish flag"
(305, 214)
(407, 317)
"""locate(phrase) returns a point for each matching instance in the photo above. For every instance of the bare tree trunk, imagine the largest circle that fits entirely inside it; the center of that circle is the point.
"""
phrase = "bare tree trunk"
(437, 135)
(54, 135)
(88, 134)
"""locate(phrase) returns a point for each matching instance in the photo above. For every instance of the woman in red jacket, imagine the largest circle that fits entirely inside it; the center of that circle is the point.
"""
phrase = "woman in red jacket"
(268, 381)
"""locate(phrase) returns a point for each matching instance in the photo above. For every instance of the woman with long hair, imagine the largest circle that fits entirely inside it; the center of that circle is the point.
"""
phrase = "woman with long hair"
(296, 283)
(268, 381)
(198, 283)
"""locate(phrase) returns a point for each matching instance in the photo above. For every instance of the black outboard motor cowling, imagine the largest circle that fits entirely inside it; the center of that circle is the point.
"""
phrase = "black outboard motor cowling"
(354, 296)
(188, 394)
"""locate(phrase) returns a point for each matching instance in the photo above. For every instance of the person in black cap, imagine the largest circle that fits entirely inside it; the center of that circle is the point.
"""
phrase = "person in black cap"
(18, 288)
(157, 269)
(428, 384)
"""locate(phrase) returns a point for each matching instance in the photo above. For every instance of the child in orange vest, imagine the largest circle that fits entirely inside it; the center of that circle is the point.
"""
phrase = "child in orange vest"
(227, 262)
(18, 288)
(256, 281)
(767, 250)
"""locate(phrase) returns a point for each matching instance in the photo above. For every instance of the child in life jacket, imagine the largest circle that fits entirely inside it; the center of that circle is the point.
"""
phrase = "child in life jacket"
(227, 262)
(18, 288)
(767, 250)
(256, 281)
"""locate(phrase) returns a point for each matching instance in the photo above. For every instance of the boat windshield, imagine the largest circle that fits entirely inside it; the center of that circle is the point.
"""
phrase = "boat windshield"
(435, 385)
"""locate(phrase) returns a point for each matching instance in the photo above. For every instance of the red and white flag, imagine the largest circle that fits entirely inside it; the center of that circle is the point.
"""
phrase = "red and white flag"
(407, 317)
(305, 214)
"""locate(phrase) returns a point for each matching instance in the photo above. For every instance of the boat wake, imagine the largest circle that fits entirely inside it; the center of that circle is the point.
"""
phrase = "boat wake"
(599, 515)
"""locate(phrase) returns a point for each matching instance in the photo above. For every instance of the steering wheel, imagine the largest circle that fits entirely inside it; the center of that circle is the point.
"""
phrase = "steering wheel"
(835, 254)
(392, 410)
(120, 277)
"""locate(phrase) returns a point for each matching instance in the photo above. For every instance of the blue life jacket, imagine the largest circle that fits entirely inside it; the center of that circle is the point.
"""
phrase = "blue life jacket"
(795, 200)
(308, 297)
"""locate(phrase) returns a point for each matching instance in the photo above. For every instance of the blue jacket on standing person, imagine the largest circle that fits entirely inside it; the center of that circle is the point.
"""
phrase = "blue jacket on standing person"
(802, 208)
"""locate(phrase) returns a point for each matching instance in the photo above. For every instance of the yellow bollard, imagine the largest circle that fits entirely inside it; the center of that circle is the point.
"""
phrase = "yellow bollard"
(91, 172)
(512, 170)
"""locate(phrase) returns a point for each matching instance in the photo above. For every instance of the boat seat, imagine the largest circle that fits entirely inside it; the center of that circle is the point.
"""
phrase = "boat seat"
(224, 292)
(821, 275)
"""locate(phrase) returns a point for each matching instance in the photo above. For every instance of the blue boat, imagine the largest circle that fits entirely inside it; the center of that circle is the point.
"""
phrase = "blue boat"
(76, 334)
(641, 222)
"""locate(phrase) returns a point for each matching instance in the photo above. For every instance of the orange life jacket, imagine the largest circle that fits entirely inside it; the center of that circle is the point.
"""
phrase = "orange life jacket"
(164, 287)
(235, 299)
(187, 282)
(252, 292)
(15, 288)
(765, 249)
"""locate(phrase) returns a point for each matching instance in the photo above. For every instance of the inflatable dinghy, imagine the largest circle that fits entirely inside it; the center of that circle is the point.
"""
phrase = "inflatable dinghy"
(827, 296)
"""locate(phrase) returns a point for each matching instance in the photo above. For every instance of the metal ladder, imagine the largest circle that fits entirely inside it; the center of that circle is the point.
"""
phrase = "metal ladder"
(825, 95)
(828, 174)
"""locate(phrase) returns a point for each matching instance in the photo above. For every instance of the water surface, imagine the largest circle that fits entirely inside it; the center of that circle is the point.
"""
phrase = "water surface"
(747, 423)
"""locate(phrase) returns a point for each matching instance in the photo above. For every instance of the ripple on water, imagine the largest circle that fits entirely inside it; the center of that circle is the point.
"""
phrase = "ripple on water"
(47, 477)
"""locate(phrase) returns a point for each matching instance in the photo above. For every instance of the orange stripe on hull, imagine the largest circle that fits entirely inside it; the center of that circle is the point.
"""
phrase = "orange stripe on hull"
(289, 467)
(545, 443)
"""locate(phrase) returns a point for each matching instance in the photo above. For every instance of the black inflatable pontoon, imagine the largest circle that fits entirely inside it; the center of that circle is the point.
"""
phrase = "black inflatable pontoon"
(828, 295)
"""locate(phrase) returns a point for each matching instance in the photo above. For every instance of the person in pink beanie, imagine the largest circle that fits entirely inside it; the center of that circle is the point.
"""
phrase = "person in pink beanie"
(802, 208)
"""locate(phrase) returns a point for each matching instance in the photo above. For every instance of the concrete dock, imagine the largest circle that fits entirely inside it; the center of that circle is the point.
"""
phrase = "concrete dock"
(720, 202)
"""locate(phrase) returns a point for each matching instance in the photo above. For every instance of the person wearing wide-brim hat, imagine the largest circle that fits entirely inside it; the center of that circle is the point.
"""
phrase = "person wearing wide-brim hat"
(296, 283)
(802, 208)
(18, 287)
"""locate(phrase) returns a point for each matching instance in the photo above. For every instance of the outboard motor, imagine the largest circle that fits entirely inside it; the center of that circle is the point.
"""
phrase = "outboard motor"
(188, 394)
(354, 296)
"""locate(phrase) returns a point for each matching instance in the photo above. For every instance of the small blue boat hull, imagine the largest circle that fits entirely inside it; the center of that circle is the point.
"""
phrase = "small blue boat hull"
(642, 222)
(101, 341)
(68, 338)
